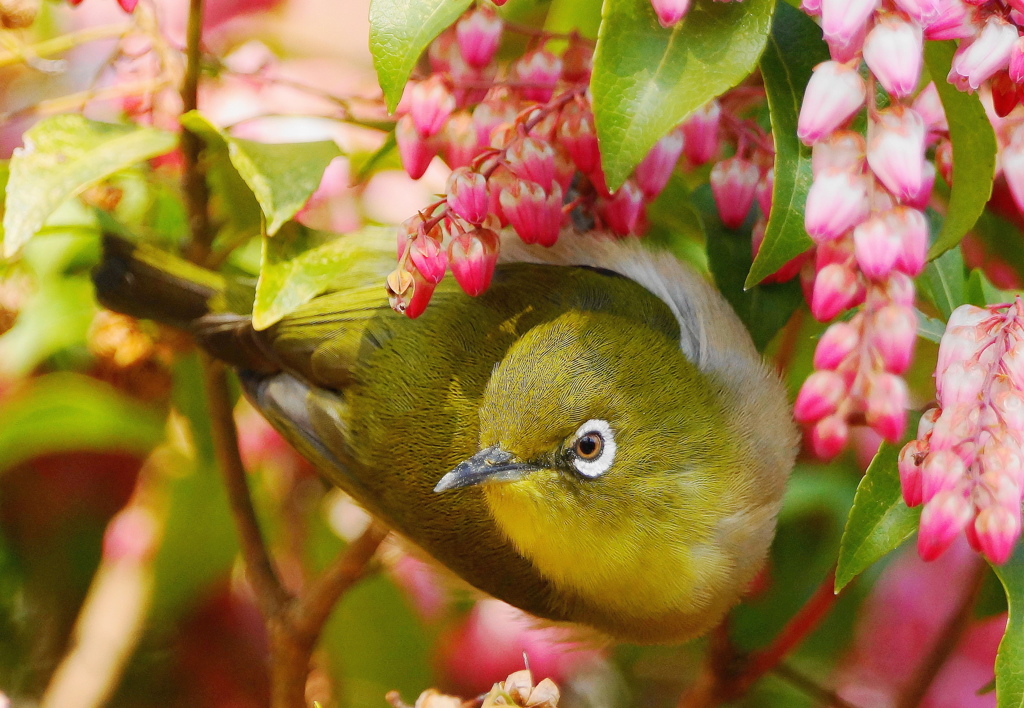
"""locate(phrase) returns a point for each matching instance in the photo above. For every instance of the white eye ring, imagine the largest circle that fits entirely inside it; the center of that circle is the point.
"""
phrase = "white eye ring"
(598, 465)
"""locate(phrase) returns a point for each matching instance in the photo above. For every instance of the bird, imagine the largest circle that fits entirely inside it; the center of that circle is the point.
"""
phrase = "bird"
(594, 439)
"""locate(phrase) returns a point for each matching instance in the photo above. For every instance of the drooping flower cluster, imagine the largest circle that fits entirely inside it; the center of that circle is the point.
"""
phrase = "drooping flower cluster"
(865, 214)
(521, 143)
(967, 464)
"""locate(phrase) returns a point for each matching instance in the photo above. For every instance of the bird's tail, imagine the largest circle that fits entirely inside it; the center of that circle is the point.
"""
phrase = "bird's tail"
(148, 283)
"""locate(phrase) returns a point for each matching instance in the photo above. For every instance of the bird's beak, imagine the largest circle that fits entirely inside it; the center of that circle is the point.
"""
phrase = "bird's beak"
(492, 464)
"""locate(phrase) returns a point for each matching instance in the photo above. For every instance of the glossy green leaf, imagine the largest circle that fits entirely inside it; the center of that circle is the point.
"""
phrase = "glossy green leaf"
(399, 32)
(62, 156)
(974, 151)
(60, 412)
(929, 328)
(282, 176)
(582, 16)
(980, 291)
(1010, 659)
(647, 79)
(946, 282)
(299, 264)
(879, 521)
(794, 48)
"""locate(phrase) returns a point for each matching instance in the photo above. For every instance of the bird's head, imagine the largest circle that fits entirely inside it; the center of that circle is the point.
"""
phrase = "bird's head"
(608, 459)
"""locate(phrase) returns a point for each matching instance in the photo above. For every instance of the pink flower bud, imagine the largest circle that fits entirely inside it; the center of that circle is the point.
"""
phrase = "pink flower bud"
(654, 171)
(490, 114)
(910, 472)
(700, 133)
(430, 104)
(128, 5)
(829, 436)
(500, 181)
(955, 20)
(912, 227)
(834, 93)
(997, 529)
(962, 337)
(847, 51)
(531, 159)
(534, 214)
(620, 213)
(428, 258)
(472, 258)
(924, 12)
(842, 20)
(764, 192)
(408, 292)
(975, 61)
(458, 144)
(876, 245)
(927, 422)
(896, 150)
(892, 51)
(670, 12)
(837, 343)
(810, 7)
(1010, 406)
(733, 183)
(941, 520)
(960, 382)
(416, 151)
(836, 251)
(819, 396)
(1006, 463)
(928, 105)
(577, 135)
(835, 289)
(921, 199)
(836, 202)
(887, 400)
(467, 195)
(1017, 61)
(841, 151)
(893, 332)
(441, 51)
(539, 71)
(479, 33)
(942, 471)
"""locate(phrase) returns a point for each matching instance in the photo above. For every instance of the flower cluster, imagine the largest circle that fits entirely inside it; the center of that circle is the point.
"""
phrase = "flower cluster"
(521, 143)
(967, 465)
(865, 214)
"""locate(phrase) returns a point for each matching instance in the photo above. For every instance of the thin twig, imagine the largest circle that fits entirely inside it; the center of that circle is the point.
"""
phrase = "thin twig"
(193, 183)
(946, 642)
(811, 687)
(270, 593)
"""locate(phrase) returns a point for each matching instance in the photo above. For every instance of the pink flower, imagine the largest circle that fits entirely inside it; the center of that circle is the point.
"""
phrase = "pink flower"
(835, 289)
(892, 50)
(670, 12)
(837, 343)
(538, 71)
(428, 258)
(896, 150)
(467, 195)
(733, 183)
(654, 171)
(893, 334)
(533, 160)
(834, 93)
(479, 33)
(876, 246)
(536, 215)
(929, 106)
(578, 136)
(819, 396)
(415, 150)
(621, 212)
(472, 258)
(430, 104)
(974, 62)
(841, 151)
(836, 202)
(842, 20)
(700, 133)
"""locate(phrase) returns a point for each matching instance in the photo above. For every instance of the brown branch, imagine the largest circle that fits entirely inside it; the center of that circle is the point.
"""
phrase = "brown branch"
(728, 674)
(193, 183)
(946, 642)
(270, 593)
(295, 632)
(811, 687)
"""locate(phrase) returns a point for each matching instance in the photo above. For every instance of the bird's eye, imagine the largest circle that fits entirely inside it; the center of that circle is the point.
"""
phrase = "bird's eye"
(593, 448)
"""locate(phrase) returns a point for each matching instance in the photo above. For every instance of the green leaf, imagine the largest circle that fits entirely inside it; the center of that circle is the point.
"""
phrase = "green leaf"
(929, 328)
(299, 264)
(582, 16)
(1010, 659)
(399, 32)
(282, 176)
(763, 309)
(981, 292)
(879, 521)
(62, 156)
(974, 151)
(794, 48)
(60, 412)
(947, 282)
(647, 79)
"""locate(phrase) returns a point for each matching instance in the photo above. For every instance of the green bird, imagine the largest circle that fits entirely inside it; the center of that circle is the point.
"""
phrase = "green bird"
(594, 439)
